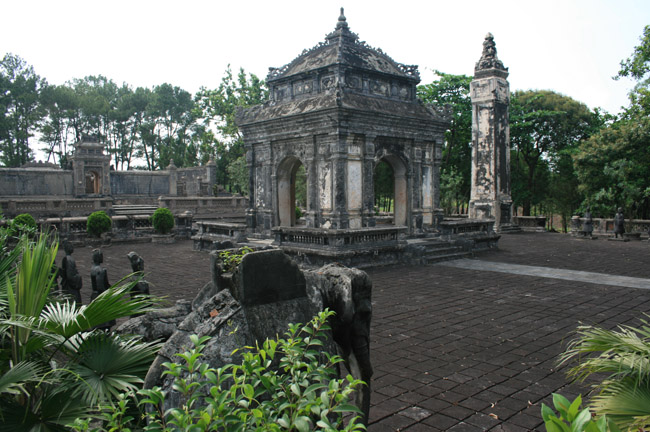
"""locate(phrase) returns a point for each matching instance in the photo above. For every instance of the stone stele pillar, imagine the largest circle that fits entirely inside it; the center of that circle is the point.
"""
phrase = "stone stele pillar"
(490, 92)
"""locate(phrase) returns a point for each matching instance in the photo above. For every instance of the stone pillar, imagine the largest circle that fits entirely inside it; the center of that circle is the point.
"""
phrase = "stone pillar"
(173, 178)
(368, 214)
(490, 93)
(251, 214)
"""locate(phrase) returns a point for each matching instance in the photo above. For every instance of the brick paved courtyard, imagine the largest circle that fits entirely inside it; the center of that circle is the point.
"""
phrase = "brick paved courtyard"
(452, 348)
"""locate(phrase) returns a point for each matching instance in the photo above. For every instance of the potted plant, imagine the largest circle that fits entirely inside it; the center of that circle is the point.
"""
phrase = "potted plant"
(98, 224)
(163, 223)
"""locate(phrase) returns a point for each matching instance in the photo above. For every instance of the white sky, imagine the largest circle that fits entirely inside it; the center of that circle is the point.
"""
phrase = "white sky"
(572, 46)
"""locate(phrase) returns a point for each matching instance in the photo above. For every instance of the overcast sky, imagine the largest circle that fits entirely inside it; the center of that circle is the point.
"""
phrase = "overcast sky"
(572, 46)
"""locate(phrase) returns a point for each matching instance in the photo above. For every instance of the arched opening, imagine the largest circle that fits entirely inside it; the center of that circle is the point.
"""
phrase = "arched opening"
(292, 192)
(390, 191)
(93, 185)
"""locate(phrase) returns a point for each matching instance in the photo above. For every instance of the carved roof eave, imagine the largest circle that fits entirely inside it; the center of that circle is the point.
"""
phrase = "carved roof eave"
(270, 111)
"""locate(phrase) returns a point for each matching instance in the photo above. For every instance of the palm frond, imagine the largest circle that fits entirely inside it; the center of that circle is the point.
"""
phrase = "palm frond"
(625, 402)
(621, 352)
(108, 365)
(14, 380)
(67, 319)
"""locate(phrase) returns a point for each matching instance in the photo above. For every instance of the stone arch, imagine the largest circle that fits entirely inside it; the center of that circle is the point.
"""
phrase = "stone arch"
(93, 182)
(286, 190)
(400, 183)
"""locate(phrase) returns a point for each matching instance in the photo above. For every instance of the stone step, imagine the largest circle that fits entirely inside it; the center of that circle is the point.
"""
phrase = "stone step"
(442, 251)
(133, 209)
(447, 257)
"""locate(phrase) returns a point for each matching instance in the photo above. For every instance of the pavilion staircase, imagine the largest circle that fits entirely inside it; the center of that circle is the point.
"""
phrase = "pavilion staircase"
(133, 209)
(436, 250)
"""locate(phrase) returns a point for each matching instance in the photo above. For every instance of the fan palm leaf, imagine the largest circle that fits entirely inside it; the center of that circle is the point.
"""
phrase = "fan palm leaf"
(623, 355)
(107, 365)
(13, 381)
(67, 319)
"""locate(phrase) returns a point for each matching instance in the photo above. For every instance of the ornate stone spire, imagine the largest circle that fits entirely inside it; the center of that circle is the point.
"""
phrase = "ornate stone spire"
(489, 59)
(341, 32)
(342, 23)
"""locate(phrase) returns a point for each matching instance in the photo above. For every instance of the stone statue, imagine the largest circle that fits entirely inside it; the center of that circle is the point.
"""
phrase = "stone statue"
(619, 223)
(137, 265)
(70, 277)
(99, 280)
(349, 293)
(588, 226)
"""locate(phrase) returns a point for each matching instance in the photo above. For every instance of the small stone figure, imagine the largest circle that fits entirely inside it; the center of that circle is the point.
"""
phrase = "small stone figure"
(137, 265)
(588, 226)
(99, 280)
(70, 277)
(619, 223)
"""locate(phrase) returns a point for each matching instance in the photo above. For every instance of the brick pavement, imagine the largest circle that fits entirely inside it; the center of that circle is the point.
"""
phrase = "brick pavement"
(457, 349)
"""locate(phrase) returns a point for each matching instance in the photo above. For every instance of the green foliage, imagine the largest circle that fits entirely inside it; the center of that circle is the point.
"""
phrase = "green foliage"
(298, 213)
(286, 384)
(453, 91)
(451, 186)
(545, 128)
(53, 366)
(162, 220)
(579, 420)
(98, 223)
(25, 219)
(219, 107)
(24, 223)
(301, 186)
(230, 258)
(620, 359)
(384, 184)
(238, 173)
(20, 112)
(613, 165)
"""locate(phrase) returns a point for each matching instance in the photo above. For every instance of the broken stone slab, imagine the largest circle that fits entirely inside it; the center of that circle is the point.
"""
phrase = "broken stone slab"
(269, 291)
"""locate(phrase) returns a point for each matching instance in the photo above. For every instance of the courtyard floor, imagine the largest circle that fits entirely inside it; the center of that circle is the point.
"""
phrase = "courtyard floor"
(467, 345)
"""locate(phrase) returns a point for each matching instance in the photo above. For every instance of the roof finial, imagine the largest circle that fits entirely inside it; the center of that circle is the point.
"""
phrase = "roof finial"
(342, 21)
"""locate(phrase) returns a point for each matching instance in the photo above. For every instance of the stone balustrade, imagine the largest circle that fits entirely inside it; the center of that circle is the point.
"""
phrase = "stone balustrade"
(531, 223)
(605, 226)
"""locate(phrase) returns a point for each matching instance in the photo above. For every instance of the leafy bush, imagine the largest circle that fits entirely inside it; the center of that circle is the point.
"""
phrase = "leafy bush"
(162, 220)
(230, 260)
(621, 360)
(98, 223)
(300, 394)
(54, 367)
(26, 220)
(579, 420)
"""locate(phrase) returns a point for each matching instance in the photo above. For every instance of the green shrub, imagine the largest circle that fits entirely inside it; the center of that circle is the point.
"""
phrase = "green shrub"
(54, 367)
(23, 223)
(162, 220)
(25, 219)
(230, 260)
(302, 394)
(298, 212)
(98, 223)
(579, 420)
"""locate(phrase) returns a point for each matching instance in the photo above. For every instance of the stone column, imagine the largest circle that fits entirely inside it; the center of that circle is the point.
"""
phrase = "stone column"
(368, 213)
(490, 93)
(173, 178)
(251, 214)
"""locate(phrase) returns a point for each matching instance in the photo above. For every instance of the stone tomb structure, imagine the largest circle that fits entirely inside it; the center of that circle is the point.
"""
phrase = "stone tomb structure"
(339, 109)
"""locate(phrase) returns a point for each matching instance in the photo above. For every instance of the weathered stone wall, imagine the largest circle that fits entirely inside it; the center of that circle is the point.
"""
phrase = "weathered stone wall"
(35, 182)
(147, 183)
